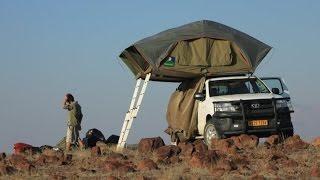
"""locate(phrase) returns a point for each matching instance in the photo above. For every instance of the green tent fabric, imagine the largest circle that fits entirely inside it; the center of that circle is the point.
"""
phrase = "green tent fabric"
(182, 110)
(192, 50)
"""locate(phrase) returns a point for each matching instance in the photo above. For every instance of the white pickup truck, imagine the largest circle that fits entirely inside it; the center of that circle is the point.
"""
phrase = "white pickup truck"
(244, 104)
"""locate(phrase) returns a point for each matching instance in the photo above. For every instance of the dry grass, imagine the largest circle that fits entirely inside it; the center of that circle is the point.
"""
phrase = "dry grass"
(84, 166)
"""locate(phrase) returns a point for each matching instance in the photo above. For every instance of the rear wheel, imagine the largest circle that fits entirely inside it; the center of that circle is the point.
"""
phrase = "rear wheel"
(211, 132)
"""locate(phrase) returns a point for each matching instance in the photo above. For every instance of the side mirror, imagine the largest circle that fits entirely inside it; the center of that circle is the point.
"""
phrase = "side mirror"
(199, 96)
(275, 90)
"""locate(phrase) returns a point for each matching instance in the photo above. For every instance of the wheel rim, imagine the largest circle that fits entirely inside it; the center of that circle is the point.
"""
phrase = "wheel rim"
(211, 133)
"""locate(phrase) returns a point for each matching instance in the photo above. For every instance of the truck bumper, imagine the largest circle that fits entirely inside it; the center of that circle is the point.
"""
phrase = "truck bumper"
(235, 123)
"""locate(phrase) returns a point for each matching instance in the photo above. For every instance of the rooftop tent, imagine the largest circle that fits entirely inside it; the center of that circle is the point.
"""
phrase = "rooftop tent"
(192, 50)
(186, 54)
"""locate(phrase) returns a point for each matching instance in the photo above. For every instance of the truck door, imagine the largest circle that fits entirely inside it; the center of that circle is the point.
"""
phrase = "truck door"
(277, 82)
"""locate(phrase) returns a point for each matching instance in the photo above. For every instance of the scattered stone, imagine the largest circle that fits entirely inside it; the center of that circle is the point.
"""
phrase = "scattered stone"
(165, 152)
(217, 172)
(315, 171)
(227, 165)
(121, 167)
(316, 141)
(20, 163)
(57, 177)
(186, 149)
(200, 146)
(141, 177)
(245, 141)
(112, 178)
(53, 153)
(116, 157)
(68, 157)
(174, 159)
(290, 163)
(224, 145)
(200, 160)
(295, 143)
(272, 140)
(6, 170)
(95, 151)
(257, 177)
(271, 167)
(146, 165)
(150, 144)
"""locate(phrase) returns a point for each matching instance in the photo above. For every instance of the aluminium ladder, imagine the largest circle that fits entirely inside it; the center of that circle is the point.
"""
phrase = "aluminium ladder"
(133, 111)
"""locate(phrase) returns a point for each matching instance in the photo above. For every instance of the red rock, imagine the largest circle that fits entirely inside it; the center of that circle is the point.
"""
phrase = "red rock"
(21, 147)
(20, 163)
(150, 144)
(166, 152)
(277, 156)
(315, 171)
(53, 153)
(112, 165)
(290, 163)
(224, 145)
(6, 170)
(57, 177)
(116, 157)
(257, 177)
(147, 164)
(316, 141)
(295, 143)
(200, 146)
(141, 177)
(186, 149)
(121, 167)
(95, 151)
(217, 172)
(272, 140)
(245, 141)
(174, 159)
(225, 164)
(241, 161)
(112, 178)
(200, 160)
(125, 169)
(68, 157)
(271, 167)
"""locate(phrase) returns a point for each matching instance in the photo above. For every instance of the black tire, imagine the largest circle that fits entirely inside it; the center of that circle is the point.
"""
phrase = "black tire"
(211, 130)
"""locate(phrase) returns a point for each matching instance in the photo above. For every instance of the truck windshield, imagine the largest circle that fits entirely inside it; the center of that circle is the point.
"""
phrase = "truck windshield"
(236, 86)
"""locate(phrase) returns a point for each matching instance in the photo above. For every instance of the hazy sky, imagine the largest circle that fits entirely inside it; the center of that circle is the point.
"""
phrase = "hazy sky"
(48, 48)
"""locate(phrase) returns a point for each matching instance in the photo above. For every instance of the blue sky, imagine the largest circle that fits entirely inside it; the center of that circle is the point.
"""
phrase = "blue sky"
(48, 48)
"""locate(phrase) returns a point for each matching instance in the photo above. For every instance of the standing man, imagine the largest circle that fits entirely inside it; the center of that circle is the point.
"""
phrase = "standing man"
(73, 121)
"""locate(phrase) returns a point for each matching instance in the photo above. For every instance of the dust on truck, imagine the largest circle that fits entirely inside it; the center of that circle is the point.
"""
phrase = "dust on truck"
(207, 58)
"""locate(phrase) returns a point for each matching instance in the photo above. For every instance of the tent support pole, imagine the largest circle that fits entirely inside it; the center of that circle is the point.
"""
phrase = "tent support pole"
(133, 111)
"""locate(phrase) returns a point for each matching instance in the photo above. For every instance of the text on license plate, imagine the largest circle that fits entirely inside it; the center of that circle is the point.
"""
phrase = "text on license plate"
(258, 123)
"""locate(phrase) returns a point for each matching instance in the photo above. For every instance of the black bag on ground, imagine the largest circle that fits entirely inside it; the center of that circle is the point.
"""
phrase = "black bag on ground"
(92, 137)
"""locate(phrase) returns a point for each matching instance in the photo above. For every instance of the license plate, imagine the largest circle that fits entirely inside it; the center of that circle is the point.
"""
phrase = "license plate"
(258, 123)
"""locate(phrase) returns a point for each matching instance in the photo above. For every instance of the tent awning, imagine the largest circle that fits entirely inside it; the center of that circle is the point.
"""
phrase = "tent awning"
(192, 50)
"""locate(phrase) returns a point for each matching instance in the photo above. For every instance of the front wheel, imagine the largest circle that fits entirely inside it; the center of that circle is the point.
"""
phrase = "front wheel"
(211, 132)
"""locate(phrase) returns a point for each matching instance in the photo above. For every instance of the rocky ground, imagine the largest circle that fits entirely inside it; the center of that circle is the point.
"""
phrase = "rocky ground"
(241, 157)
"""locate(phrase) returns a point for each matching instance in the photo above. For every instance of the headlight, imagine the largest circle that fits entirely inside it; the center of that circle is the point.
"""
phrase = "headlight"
(225, 107)
(282, 103)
